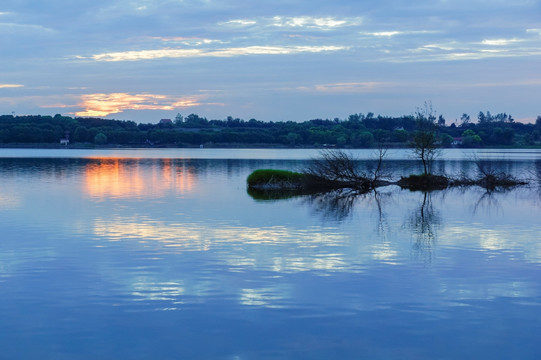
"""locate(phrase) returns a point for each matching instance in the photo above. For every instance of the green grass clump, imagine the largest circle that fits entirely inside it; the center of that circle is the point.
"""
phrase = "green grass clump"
(273, 177)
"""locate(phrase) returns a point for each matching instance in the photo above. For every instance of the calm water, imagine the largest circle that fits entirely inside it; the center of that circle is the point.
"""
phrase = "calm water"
(162, 254)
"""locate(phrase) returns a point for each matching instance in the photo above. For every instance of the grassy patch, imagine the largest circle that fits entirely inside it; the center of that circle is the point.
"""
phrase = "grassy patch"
(271, 178)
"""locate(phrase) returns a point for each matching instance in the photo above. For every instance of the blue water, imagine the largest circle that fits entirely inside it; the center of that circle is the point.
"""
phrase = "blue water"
(163, 254)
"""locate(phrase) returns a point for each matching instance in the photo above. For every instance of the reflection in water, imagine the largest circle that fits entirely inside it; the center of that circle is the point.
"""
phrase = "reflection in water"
(8, 200)
(537, 172)
(171, 237)
(385, 250)
(265, 297)
(145, 273)
(165, 291)
(117, 178)
(488, 202)
(536, 180)
(424, 223)
(337, 204)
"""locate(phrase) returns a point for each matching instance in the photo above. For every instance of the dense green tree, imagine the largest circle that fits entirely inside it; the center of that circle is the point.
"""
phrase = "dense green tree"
(470, 139)
(400, 136)
(357, 130)
(100, 139)
(179, 119)
(445, 140)
(465, 120)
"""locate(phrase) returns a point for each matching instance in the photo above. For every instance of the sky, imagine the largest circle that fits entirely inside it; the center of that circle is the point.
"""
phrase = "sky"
(278, 60)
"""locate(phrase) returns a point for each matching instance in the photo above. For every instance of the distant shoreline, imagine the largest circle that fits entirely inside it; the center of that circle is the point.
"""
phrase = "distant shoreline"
(81, 146)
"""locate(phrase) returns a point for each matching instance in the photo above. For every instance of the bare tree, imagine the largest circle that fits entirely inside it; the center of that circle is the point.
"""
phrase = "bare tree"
(425, 144)
(488, 177)
(339, 169)
(491, 179)
(378, 174)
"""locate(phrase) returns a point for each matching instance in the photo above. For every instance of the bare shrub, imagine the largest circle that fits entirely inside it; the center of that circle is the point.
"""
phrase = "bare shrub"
(488, 178)
(491, 179)
(339, 169)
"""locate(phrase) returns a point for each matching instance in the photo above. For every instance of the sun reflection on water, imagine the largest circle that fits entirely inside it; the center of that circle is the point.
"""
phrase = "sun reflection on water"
(121, 178)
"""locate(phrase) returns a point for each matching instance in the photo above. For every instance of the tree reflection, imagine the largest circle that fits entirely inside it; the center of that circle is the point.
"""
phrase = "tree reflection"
(337, 204)
(383, 226)
(537, 172)
(536, 176)
(488, 202)
(424, 223)
(421, 222)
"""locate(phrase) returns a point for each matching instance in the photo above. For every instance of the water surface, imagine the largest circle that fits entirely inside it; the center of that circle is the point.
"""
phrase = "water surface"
(157, 254)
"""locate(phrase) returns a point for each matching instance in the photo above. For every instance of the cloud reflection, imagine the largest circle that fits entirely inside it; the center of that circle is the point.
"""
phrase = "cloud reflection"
(9, 201)
(315, 247)
(267, 297)
(144, 290)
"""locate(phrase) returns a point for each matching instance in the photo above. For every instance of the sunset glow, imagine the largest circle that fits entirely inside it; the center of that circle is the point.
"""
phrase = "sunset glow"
(116, 178)
(100, 105)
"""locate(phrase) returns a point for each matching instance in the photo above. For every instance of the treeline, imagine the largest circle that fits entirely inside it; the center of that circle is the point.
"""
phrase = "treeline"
(357, 131)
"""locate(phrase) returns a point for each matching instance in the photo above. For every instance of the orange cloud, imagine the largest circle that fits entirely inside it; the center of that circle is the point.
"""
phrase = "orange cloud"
(99, 105)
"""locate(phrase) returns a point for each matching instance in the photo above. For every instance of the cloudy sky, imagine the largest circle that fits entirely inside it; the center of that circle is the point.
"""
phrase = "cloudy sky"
(277, 60)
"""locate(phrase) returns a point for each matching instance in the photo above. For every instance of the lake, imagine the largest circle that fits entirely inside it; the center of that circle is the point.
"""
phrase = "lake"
(163, 254)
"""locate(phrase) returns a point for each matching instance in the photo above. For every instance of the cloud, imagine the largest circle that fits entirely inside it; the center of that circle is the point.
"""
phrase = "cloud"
(530, 82)
(239, 22)
(9, 86)
(323, 23)
(344, 87)
(458, 51)
(298, 22)
(535, 31)
(500, 42)
(189, 41)
(198, 53)
(99, 105)
(14, 27)
(392, 33)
